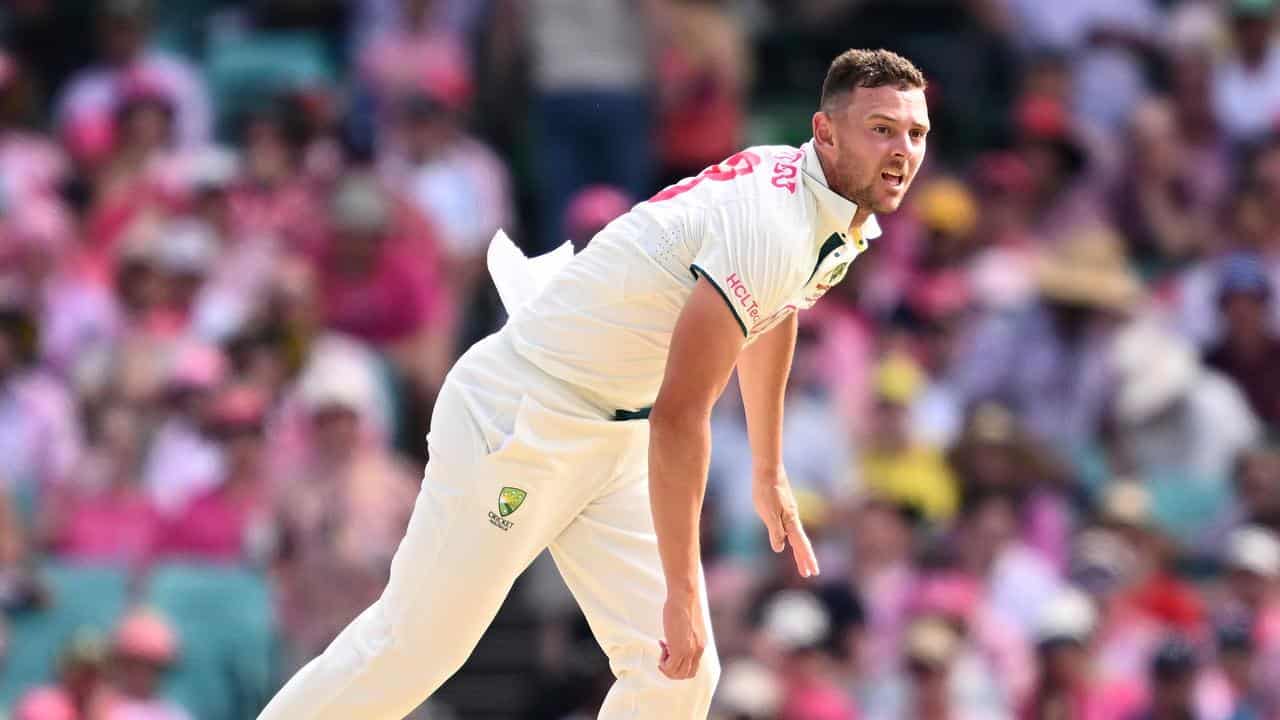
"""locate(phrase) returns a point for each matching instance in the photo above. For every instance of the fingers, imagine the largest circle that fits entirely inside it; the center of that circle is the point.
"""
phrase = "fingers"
(773, 524)
(806, 558)
(678, 669)
(678, 665)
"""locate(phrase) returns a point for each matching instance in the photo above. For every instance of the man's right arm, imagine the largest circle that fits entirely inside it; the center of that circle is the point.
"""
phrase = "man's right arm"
(705, 346)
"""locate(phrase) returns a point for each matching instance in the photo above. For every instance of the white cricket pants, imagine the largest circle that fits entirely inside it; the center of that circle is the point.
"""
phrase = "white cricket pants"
(500, 422)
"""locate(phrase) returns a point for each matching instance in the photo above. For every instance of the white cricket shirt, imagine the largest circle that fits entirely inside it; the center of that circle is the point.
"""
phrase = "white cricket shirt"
(762, 226)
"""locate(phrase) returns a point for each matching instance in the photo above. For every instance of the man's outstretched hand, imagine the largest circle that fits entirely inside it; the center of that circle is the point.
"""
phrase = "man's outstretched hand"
(776, 506)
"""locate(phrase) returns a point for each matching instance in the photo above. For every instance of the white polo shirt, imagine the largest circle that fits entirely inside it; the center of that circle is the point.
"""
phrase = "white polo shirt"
(762, 226)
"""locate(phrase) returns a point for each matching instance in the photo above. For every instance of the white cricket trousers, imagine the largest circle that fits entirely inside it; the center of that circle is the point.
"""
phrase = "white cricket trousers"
(499, 422)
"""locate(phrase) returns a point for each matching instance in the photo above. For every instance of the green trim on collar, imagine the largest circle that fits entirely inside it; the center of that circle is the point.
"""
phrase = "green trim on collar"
(833, 243)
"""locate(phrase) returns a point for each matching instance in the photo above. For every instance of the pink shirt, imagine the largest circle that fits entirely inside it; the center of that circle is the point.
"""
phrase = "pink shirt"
(392, 302)
(215, 526)
(111, 526)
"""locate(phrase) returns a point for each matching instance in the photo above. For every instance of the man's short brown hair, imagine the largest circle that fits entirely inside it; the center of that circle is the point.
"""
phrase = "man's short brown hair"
(868, 69)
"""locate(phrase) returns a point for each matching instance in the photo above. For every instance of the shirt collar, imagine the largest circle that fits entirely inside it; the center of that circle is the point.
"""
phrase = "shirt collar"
(834, 211)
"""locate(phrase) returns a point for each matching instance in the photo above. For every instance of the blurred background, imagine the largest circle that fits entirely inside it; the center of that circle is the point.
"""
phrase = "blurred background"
(1034, 433)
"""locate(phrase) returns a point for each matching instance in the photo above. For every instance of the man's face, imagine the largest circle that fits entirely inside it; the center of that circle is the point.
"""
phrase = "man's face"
(877, 138)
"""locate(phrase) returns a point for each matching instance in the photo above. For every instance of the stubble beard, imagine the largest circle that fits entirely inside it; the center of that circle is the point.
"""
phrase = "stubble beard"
(862, 196)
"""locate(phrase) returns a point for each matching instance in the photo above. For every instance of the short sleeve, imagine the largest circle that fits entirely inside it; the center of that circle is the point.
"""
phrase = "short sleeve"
(750, 271)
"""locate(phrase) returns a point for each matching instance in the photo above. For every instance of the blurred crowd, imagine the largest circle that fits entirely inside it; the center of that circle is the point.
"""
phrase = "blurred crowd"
(1035, 433)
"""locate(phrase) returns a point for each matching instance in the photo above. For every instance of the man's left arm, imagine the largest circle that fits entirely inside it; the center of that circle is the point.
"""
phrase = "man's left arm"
(763, 368)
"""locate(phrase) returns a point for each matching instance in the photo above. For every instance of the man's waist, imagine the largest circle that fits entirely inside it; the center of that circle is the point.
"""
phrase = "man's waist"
(606, 403)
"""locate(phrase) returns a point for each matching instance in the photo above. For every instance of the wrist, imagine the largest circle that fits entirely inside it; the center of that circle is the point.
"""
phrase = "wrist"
(769, 473)
(683, 591)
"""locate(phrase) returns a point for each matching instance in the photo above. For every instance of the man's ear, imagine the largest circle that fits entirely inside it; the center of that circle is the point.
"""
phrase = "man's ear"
(823, 131)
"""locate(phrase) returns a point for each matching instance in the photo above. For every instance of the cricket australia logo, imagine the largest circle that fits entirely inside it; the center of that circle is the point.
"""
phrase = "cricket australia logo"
(509, 501)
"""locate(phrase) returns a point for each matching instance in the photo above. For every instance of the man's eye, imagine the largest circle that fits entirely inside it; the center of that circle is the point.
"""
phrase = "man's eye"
(917, 134)
(882, 129)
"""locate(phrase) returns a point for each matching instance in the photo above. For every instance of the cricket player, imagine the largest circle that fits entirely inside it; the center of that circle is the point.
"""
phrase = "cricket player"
(583, 425)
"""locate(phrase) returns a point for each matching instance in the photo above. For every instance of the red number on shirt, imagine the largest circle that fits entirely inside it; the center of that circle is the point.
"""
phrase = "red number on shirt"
(785, 171)
(743, 163)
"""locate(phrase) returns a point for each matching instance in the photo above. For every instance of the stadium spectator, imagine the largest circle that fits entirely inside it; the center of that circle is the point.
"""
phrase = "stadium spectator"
(182, 461)
(1180, 426)
(104, 514)
(1244, 296)
(380, 282)
(143, 648)
(593, 121)
(457, 183)
(230, 523)
(1165, 213)
(895, 464)
(123, 33)
(995, 455)
(416, 48)
(342, 512)
(39, 436)
(1172, 674)
(703, 74)
(1068, 686)
(271, 200)
(1047, 360)
(1246, 83)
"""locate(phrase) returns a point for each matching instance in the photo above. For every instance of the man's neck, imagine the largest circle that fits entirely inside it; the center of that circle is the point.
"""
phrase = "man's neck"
(860, 217)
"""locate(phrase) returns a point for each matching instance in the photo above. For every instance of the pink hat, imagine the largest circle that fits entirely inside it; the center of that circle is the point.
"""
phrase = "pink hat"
(146, 635)
(45, 703)
(594, 207)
